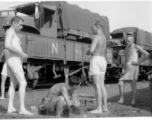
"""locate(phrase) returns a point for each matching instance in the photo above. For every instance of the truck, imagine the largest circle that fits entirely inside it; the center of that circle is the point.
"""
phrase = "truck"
(54, 33)
(142, 38)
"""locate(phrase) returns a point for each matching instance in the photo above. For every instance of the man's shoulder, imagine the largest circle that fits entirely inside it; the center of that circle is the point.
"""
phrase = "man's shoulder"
(137, 46)
(61, 85)
(9, 30)
(99, 37)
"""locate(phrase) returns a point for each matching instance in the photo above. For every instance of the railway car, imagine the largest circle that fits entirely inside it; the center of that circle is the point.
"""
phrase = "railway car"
(55, 36)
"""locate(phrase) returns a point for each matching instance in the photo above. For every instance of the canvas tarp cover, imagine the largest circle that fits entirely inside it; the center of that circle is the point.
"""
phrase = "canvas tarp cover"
(124, 30)
(3, 22)
(73, 17)
(141, 37)
(28, 26)
(149, 38)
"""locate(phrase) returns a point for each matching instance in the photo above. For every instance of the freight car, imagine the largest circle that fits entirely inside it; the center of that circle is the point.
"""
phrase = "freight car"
(54, 33)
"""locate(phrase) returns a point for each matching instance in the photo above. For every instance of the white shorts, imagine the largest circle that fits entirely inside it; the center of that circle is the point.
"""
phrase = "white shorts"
(14, 65)
(131, 72)
(4, 70)
(98, 65)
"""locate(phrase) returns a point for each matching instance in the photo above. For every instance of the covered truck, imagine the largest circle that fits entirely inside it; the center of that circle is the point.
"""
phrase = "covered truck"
(54, 32)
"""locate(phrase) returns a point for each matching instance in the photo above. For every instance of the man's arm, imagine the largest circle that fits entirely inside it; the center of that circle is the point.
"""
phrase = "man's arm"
(83, 71)
(2, 54)
(74, 72)
(124, 64)
(8, 43)
(93, 45)
(66, 96)
(146, 54)
(54, 72)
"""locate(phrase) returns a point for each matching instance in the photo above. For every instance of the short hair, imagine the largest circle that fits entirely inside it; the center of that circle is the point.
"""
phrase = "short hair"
(130, 33)
(74, 80)
(16, 19)
(97, 22)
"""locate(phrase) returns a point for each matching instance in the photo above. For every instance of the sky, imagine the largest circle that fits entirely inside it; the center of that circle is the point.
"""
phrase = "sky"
(120, 13)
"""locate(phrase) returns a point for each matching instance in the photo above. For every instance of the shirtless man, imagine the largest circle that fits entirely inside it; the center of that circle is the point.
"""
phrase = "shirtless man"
(59, 96)
(130, 72)
(98, 65)
(14, 63)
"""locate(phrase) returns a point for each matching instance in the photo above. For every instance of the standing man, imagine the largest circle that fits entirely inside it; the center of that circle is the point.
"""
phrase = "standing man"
(14, 63)
(98, 65)
(130, 72)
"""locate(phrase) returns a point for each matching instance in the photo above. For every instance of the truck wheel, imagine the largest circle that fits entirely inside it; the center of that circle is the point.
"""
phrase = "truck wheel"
(31, 83)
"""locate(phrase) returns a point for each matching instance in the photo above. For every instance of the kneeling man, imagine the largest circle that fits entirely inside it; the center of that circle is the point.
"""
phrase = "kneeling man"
(60, 95)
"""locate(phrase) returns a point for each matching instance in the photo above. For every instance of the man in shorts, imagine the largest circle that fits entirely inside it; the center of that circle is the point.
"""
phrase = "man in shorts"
(98, 65)
(14, 65)
(130, 72)
(60, 95)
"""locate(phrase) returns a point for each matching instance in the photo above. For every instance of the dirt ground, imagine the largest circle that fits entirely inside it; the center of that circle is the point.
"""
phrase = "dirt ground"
(143, 103)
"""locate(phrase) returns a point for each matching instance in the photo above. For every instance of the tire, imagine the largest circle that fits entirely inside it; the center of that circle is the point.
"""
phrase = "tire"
(31, 83)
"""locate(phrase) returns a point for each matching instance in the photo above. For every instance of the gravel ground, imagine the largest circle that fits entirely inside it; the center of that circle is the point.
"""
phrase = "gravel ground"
(143, 103)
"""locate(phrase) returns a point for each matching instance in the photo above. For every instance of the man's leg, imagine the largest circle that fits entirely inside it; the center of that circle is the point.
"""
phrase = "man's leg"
(133, 86)
(3, 86)
(96, 81)
(22, 87)
(103, 92)
(11, 94)
(59, 107)
(56, 103)
(121, 90)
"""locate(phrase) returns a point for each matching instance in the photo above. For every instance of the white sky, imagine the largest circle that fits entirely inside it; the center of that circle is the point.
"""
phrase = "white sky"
(120, 13)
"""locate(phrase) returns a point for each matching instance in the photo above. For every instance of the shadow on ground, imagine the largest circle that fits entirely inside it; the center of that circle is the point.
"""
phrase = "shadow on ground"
(3, 109)
(143, 99)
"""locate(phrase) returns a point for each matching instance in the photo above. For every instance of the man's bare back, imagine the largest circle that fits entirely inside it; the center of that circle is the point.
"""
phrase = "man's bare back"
(101, 46)
(57, 89)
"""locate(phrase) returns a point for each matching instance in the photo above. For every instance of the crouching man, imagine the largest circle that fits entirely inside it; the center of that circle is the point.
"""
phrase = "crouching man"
(61, 95)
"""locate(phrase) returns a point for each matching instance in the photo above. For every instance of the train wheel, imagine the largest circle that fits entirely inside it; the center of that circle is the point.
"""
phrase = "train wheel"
(32, 84)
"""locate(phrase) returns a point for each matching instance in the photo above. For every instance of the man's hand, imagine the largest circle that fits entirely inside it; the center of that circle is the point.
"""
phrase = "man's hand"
(88, 51)
(134, 63)
(75, 110)
(55, 77)
(123, 71)
(23, 55)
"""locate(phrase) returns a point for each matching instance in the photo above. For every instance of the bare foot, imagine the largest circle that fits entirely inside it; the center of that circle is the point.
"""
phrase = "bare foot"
(57, 116)
(133, 104)
(11, 110)
(105, 109)
(2, 98)
(25, 112)
(121, 101)
(96, 111)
